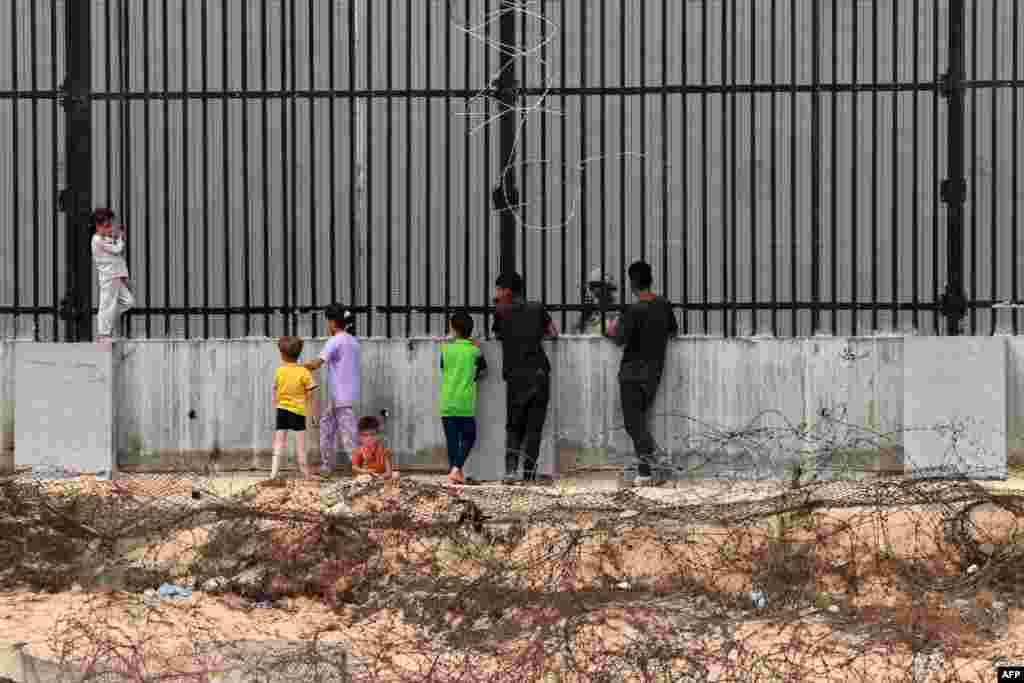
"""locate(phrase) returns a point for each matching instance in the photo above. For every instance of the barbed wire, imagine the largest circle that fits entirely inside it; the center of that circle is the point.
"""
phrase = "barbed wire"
(412, 580)
(525, 55)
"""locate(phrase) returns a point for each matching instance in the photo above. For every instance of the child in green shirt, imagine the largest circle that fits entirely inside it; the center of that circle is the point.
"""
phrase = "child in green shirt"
(462, 366)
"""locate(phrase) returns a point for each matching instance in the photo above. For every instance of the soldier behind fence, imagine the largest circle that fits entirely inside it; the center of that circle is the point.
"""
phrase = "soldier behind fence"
(342, 356)
(108, 245)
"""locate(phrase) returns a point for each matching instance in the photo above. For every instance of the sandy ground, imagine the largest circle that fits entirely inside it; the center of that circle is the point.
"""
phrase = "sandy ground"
(168, 628)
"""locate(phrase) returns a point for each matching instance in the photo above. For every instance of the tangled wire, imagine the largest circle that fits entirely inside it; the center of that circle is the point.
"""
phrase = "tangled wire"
(705, 581)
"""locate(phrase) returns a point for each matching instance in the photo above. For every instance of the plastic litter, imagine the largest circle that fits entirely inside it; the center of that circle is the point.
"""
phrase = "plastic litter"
(759, 599)
(169, 590)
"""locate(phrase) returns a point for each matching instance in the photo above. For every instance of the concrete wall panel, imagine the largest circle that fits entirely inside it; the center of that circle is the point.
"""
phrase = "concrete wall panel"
(178, 401)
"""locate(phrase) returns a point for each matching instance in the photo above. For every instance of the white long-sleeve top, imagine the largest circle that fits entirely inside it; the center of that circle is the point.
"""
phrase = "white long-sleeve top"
(108, 256)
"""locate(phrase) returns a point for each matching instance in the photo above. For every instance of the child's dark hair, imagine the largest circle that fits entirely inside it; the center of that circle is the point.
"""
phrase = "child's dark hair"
(640, 275)
(512, 281)
(102, 215)
(337, 314)
(369, 424)
(291, 347)
(462, 323)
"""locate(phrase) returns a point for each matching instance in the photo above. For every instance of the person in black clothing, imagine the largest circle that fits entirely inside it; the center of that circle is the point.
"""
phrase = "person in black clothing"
(644, 330)
(521, 326)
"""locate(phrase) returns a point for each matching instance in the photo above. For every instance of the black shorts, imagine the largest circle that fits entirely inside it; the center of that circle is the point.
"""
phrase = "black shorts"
(289, 421)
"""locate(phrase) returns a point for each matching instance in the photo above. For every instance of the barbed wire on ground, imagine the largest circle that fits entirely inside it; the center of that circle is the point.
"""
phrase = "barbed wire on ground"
(854, 575)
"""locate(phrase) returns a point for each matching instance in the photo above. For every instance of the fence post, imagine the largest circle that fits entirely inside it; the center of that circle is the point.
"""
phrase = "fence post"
(954, 187)
(506, 195)
(76, 197)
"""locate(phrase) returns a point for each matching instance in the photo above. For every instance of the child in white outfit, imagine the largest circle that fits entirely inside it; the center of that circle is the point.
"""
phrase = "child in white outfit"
(112, 272)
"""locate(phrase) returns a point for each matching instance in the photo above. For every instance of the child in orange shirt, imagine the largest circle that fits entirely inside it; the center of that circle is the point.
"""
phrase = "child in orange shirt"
(293, 400)
(372, 458)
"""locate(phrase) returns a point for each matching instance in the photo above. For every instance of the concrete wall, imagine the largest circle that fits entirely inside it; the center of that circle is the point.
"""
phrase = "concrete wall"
(177, 401)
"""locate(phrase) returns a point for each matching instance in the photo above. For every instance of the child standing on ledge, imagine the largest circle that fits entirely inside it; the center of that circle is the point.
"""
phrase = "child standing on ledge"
(108, 246)
(462, 366)
(293, 400)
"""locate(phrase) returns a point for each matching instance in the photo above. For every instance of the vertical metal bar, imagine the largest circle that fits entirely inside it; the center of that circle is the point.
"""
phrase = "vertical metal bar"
(167, 168)
(834, 265)
(487, 212)
(954, 187)
(265, 159)
(293, 228)
(684, 139)
(914, 246)
(562, 25)
(664, 150)
(287, 227)
(754, 264)
(794, 320)
(815, 174)
(408, 178)
(369, 169)
(705, 198)
(524, 153)
(428, 198)
(246, 197)
(205, 136)
(146, 160)
(583, 142)
(734, 265)
(937, 94)
(314, 256)
(774, 172)
(226, 179)
(642, 159)
(126, 156)
(994, 217)
(507, 95)
(108, 87)
(895, 247)
(467, 236)
(352, 156)
(1013, 165)
(332, 257)
(854, 175)
(388, 187)
(727, 97)
(975, 71)
(15, 158)
(874, 168)
(186, 251)
(36, 224)
(447, 172)
(78, 139)
(584, 266)
(544, 232)
(54, 161)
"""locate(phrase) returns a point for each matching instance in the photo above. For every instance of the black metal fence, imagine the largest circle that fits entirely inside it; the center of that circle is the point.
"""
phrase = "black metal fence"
(788, 167)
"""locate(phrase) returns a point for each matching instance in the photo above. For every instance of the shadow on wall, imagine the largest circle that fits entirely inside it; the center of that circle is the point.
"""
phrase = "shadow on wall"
(6, 436)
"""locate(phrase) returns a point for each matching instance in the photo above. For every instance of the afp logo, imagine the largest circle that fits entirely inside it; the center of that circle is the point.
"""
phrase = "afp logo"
(1011, 673)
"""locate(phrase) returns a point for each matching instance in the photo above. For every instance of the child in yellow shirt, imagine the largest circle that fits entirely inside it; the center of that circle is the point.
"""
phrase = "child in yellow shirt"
(293, 399)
